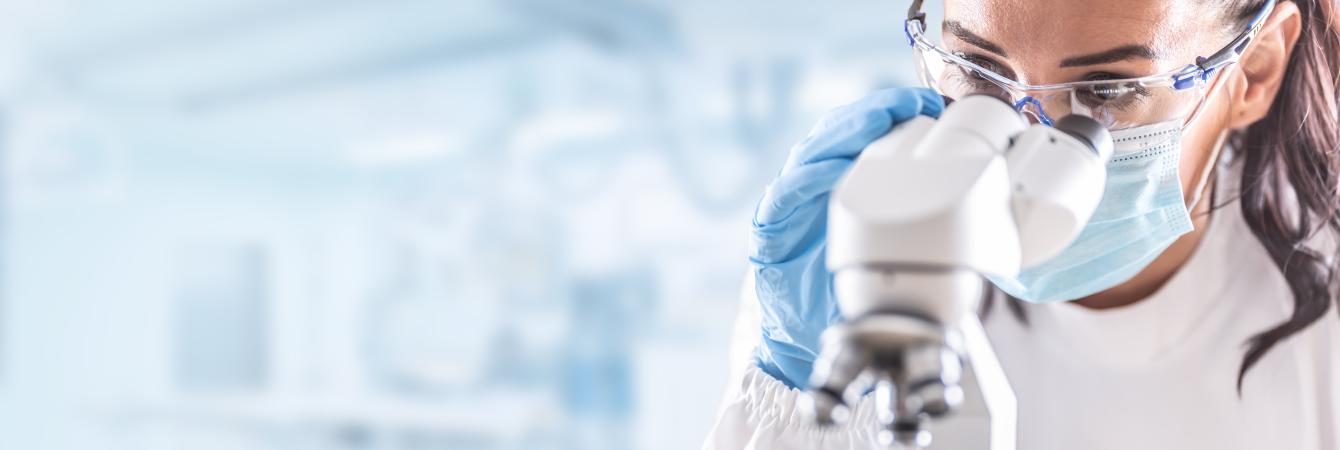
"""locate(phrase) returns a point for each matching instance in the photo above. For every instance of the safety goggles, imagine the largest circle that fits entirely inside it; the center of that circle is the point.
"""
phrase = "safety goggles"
(1117, 103)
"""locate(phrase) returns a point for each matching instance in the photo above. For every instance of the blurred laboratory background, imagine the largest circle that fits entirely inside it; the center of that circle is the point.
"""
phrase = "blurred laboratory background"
(440, 224)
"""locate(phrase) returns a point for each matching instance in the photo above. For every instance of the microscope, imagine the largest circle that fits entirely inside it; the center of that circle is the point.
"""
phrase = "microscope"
(921, 216)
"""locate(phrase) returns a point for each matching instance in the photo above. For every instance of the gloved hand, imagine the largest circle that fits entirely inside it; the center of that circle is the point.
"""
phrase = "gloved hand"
(788, 239)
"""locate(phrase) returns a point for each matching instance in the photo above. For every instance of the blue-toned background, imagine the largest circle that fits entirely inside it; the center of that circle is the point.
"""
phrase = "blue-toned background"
(451, 224)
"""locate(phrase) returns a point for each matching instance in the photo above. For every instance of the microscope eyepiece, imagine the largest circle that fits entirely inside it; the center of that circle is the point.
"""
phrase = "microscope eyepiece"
(1088, 131)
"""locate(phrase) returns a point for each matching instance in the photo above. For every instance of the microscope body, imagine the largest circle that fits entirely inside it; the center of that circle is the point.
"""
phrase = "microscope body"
(923, 213)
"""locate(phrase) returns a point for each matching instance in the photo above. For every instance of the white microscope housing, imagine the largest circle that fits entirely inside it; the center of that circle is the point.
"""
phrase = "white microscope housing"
(923, 213)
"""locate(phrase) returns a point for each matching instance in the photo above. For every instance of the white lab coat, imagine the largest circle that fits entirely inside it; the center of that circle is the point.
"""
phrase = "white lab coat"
(1159, 374)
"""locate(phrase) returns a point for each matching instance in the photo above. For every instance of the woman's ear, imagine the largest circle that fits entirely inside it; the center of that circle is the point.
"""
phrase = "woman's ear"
(1265, 64)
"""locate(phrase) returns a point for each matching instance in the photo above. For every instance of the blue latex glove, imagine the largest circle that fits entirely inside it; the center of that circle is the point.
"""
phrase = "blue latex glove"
(790, 225)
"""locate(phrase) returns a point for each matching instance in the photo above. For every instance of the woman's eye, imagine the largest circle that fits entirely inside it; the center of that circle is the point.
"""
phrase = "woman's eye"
(1109, 92)
(975, 77)
(967, 79)
(1119, 96)
(987, 64)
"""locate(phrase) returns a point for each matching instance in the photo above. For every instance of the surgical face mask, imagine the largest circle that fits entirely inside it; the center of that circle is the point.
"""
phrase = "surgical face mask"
(1142, 213)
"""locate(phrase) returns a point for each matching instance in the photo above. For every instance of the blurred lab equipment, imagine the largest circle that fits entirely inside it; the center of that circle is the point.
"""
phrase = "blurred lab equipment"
(222, 317)
(597, 377)
(762, 100)
(574, 155)
(422, 335)
(322, 132)
(4, 242)
(994, 195)
(63, 153)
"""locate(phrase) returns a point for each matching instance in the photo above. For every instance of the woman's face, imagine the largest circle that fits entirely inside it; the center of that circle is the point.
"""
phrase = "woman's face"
(1056, 41)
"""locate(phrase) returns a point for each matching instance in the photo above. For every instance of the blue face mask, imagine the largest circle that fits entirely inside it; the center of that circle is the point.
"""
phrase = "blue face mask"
(1142, 212)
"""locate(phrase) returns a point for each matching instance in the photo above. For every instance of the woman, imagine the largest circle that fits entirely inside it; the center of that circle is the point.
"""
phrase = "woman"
(1170, 322)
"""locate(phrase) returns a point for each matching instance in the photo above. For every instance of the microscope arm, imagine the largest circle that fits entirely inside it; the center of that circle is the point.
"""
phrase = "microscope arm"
(922, 214)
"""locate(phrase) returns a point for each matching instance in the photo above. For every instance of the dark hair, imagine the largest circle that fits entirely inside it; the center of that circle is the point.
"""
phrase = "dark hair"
(1289, 173)
(1290, 162)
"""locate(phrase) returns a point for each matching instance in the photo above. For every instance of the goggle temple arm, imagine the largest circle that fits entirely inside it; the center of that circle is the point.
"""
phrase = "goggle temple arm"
(1194, 75)
(919, 22)
(917, 16)
(1197, 74)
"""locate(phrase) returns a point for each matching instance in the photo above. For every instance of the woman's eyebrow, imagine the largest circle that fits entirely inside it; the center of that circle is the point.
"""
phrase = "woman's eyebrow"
(1123, 53)
(955, 28)
(1118, 54)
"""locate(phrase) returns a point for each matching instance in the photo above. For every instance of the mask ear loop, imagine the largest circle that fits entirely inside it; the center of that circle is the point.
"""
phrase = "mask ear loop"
(1203, 178)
